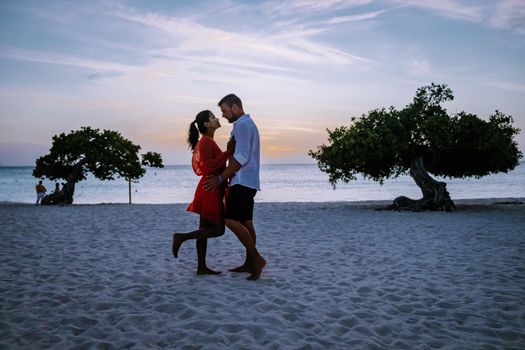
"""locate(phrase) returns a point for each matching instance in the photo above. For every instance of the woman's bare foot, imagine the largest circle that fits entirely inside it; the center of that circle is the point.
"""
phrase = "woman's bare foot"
(207, 271)
(243, 268)
(177, 241)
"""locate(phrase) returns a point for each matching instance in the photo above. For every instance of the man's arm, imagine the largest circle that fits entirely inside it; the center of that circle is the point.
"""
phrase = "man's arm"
(215, 180)
(240, 157)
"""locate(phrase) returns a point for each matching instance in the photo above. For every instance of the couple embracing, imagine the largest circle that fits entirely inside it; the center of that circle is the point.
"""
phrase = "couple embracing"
(229, 181)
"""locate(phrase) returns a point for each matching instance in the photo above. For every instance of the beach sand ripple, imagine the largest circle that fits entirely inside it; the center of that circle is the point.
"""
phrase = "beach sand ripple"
(339, 276)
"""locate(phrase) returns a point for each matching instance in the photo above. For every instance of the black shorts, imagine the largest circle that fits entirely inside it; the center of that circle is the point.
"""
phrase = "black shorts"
(239, 203)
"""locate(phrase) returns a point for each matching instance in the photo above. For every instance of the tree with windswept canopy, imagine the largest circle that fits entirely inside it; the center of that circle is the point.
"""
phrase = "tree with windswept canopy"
(419, 140)
(105, 154)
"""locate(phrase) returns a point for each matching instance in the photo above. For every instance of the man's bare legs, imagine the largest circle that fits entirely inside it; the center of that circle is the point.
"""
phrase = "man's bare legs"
(245, 267)
(255, 261)
(207, 230)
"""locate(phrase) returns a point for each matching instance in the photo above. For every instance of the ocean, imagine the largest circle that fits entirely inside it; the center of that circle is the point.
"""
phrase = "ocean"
(279, 183)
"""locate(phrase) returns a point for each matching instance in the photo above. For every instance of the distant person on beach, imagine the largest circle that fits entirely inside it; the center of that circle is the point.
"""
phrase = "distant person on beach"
(208, 159)
(40, 191)
(57, 188)
(243, 168)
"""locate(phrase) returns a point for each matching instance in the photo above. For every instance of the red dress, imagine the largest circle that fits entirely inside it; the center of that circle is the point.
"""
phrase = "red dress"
(208, 159)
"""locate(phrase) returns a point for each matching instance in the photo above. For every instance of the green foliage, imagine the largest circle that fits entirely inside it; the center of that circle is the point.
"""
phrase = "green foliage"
(152, 159)
(383, 143)
(105, 154)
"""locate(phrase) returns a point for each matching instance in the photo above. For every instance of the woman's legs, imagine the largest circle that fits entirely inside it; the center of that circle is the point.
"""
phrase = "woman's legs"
(207, 229)
(202, 269)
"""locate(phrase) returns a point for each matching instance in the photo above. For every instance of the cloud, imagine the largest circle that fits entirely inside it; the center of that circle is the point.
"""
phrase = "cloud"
(289, 128)
(280, 149)
(102, 67)
(506, 86)
(509, 14)
(192, 37)
(353, 18)
(505, 14)
(104, 75)
(190, 49)
(286, 7)
(420, 66)
(448, 8)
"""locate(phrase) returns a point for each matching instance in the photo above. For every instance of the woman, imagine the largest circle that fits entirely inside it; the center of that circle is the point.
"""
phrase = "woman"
(208, 159)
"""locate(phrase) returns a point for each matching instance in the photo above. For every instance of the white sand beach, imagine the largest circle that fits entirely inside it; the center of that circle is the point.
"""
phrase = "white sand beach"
(339, 276)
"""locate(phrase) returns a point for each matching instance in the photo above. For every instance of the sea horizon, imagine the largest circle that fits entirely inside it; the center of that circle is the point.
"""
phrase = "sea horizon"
(279, 183)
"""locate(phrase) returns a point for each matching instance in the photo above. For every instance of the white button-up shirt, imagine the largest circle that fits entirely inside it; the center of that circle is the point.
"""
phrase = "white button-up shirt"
(247, 152)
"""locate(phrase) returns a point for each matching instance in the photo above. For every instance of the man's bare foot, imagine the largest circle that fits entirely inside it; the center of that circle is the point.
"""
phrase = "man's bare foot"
(177, 241)
(243, 268)
(207, 271)
(257, 269)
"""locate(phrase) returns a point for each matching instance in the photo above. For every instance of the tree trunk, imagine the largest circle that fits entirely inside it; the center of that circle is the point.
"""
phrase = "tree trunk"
(69, 189)
(65, 195)
(129, 188)
(435, 194)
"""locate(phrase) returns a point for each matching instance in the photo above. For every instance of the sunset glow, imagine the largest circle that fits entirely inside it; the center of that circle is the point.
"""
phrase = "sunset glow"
(146, 68)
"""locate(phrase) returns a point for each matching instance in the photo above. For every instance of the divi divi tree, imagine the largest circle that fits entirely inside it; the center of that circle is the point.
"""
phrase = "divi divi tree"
(105, 154)
(420, 140)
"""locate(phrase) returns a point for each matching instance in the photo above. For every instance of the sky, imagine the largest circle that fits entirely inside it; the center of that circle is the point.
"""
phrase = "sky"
(146, 68)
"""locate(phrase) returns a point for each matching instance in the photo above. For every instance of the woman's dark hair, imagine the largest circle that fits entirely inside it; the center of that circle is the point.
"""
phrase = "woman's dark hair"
(197, 126)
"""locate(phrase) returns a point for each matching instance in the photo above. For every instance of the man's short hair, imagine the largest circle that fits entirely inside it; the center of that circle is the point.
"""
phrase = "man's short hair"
(230, 100)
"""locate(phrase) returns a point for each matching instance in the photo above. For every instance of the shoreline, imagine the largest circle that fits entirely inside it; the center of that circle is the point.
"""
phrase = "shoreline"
(460, 202)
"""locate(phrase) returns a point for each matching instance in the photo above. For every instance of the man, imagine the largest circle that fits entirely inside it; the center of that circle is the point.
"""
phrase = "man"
(40, 191)
(243, 168)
